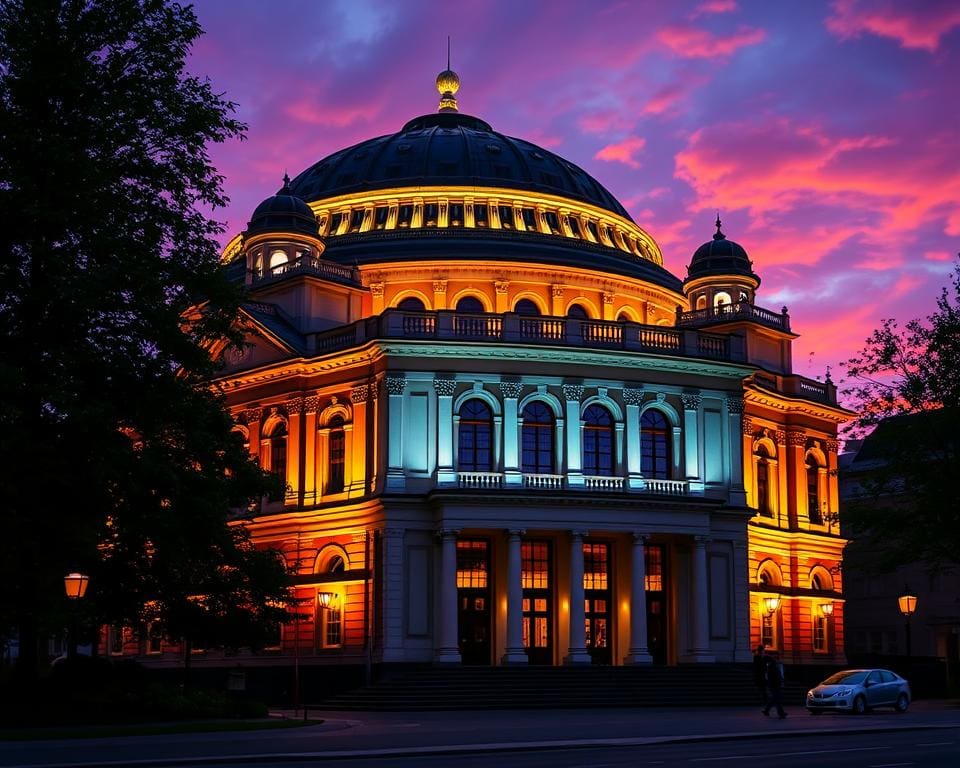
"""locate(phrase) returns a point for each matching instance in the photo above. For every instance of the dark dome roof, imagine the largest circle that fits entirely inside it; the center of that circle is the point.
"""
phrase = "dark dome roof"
(284, 212)
(720, 256)
(449, 148)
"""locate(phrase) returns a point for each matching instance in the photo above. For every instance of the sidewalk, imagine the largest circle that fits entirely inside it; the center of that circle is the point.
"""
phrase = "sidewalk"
(386, 734)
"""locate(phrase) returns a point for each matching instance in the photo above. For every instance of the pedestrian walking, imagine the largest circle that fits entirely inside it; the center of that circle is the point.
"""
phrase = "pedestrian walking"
(760, 673)
(774, 671)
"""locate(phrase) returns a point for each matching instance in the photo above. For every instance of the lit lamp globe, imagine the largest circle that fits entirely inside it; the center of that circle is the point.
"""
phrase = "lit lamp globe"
(827, 609)
(75, 585)
(771, 604)
(908, 603)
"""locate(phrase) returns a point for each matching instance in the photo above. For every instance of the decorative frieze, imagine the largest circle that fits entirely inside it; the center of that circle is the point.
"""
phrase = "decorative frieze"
(396, 385)
(445, 385)
(632, 396)
(572, 392)
(691, 402)
(510, 389)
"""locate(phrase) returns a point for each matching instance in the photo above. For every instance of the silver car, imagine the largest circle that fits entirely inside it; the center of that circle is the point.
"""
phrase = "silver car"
(857, 690)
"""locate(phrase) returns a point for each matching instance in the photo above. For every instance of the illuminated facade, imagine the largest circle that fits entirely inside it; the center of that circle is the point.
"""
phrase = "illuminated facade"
(509, 435)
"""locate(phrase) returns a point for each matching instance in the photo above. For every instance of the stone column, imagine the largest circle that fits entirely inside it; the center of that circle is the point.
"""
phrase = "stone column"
(511, 433)
(577, 652)
(633, 398)
(638, 654)
(692, 408)
(439, 294)
(445, 387)
(311, 490)
(448, 650)
(294, 407)
(700, 602)
(392, 599)
(556, 294)
(738, 494)
(502, 288)
(572, 394)
(515, 653)
(395, 389)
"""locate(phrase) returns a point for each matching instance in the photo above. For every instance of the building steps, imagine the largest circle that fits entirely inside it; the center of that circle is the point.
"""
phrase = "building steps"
(463, 688)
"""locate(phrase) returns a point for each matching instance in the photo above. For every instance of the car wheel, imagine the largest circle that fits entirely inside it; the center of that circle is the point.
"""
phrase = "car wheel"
(903, 701)
(859, 705)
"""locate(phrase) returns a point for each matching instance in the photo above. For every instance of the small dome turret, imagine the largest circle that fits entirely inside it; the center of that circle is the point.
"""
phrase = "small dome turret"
(720, 256)
(283, 212)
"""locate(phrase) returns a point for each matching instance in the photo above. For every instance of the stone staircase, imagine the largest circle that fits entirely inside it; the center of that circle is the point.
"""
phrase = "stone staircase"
(463, 688)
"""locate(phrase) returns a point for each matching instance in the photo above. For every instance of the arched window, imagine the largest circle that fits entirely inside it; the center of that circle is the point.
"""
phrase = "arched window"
(816, 583)
(597, 441)
(411, 304)
(277, 260)
(764, 467)
(475, 437)
(577, 312)
(721, 298)
(527, 308)
(336, 455)
(278, 455)
(470, 304)
(813, 490)
(701, 302)
(538, 423)
(623, 317)
(654, 445)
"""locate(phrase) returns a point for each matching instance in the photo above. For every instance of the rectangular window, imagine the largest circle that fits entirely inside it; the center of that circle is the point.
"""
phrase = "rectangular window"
(820, 634)
(472, 565)
(356, 219)
(595, 558)
(767, 633)
(553, 222)
(380, 217)
(535, 564)
(574, 226)
(506, 217)
(404, 216)
(480, 216)
(431, 212)
(335, 221)
(653, 571)
(337, 455)
(456, 215)
(332, 626)
(529, 219)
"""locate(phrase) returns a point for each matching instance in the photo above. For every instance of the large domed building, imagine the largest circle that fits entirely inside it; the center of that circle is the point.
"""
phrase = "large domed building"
(509, 435)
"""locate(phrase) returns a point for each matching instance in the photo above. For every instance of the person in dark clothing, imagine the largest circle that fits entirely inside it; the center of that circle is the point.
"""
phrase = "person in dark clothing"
(760, 673)
(775, 685)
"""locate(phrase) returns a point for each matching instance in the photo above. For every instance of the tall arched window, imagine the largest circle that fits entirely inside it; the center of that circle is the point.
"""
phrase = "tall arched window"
(764, 506)
(538, 423)
(577, 312)
(654, 445)
(527, 308)
(336, 455)
(475, 437)
(411, 304)
(278, 455)
(597, 441)
(470, 304)
(813, 490)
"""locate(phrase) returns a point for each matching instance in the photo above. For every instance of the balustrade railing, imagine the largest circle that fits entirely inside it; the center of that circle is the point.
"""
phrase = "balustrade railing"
(665, 487)
(510, 328)
(483, 480)
(741, 310)
(308, 265)
(544, 482)
(602, 483)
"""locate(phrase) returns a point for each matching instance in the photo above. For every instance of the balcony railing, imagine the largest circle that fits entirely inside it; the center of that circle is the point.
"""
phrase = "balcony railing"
(494, 481)
(798, 386)
(510, 328)
(308, 265)
(741, 310)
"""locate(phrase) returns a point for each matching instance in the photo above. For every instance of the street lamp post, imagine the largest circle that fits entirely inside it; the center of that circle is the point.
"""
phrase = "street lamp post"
(908, 605)
(75, 586)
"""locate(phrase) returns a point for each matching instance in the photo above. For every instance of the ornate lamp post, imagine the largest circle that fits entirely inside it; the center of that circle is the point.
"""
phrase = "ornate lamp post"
(75, 586)
(908, 605)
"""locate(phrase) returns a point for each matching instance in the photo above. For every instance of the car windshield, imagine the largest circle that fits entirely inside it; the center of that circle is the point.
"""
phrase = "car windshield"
(849, 677)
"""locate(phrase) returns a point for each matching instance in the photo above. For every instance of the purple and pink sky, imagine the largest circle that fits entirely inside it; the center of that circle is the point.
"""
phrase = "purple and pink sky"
(827, 133)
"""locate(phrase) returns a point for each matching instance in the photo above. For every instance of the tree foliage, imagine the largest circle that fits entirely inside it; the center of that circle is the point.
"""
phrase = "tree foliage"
(906, 382)
(118, 459)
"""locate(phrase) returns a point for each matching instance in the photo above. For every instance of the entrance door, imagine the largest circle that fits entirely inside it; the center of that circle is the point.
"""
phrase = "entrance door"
(596, 594)
(656, 603)
(473, 598)
(537, 601)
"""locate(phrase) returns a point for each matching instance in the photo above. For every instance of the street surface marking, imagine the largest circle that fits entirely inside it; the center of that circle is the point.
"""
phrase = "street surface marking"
(888, 765)
(785, 754)
(933, 744)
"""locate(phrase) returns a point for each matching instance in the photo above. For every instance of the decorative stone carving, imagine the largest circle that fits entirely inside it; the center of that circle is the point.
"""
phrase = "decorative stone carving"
(396, 385)
(572, 392)
(796, 438)
(735, 405)
(445, 533)
(832, 446)
(294, 405)
(781, 437)
(376, 290)
(661, 397)
(510, 389)
(640, 537)
(632, 396)
(359, 394)
(311, 404)
(691, 402)
(251, 415)
(374, 390)
(746, 424)
(501, 286)
(608, 297)
(439, 286)
(445, 385)
(557, 291)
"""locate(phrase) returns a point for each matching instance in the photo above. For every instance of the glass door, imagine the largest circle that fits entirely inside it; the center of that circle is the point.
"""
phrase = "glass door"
(596, 595)
(536, 571)
(656, 603)
(473, 598)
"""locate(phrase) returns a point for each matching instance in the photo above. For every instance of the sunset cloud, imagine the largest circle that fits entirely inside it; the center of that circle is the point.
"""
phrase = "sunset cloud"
(691, 42)
(623, 152)
(710, 7)
(913, 25)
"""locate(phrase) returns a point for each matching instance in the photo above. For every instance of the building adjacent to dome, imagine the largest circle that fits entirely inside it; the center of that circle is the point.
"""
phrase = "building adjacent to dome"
(509, 435)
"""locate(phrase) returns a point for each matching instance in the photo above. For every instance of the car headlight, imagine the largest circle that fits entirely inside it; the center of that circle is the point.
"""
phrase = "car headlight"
(809, 694)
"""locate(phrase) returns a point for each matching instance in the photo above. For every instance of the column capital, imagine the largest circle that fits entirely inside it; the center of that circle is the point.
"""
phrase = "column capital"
(510, 389)
(311, 404)
(557, 291)
(735, 404)
(832, 446)
(515, 533)
(251, 415)
(396, 384)
(359, 393)
(445, 385)
(572, 392)
(447, 533)
(394, 533)
(700, 541)
(294, 405)
(501, 286)
(439, 286)
(691, 402)
(376, 290)
(796, 438)
(632, 396)
(574, 535)
(640, 537)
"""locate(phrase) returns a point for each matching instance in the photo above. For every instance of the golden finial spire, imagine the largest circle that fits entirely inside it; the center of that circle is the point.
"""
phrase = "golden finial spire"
(448, 83)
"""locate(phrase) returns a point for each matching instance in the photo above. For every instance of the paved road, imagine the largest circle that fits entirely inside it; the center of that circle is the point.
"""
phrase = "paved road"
(392, 737)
